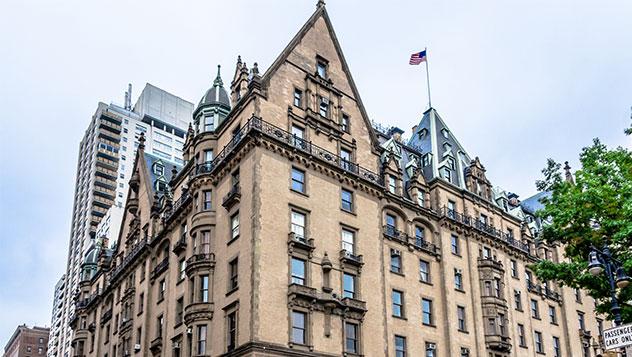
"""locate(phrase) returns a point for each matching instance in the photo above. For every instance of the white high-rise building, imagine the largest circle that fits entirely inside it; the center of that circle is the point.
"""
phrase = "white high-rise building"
(55, 322)
(104, 165)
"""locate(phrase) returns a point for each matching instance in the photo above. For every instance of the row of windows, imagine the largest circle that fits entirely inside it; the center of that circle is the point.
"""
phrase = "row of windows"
(298, 184)
(299, 334)
(323, 109)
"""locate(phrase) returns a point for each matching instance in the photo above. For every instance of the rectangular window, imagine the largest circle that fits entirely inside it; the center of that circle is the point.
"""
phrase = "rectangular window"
(458, 279)
(201, 335)
(182, 269)
(321, 68)
(514, 268)
(299, 327)
(298, 271)
(298, 136)
(454, 245)
(552, 315)
(160, 321)
(522, 341)
(447, 174)
(233, 271)
(348, 286)
(460, 315)
(398, 303)
(179, 310)
(487, 253)
(430, 349)
(400, 346)
(298, 180)
(234, 223)
(162, 287)
(419, 236)
(518, 300)
(557, 351)
(426, 312)
(396, 261)
(209, 123)
(231, 327)
(344, 124)
(347, 200)
(141, 302)
(323, 107)
(205, 242)
(297, 225)
(298, 98)
(206, 204)
(348, 241)
(204, 288)
(351, 337)
(392, 184)
(581, 320)
(535, 312)
(345, 159)
(424, 271)
(539, 346)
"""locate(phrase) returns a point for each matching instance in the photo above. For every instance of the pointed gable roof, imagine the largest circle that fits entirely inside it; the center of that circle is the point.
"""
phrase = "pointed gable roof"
(321, 12)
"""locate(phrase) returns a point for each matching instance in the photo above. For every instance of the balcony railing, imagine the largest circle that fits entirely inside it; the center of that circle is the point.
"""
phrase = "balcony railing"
(185, 198)
(232, 196)
(180, 245)
(129, 258)
(350, 257)
(301, 242)
(271, 131)
(160, 268)
(484, 228)
(393, 233)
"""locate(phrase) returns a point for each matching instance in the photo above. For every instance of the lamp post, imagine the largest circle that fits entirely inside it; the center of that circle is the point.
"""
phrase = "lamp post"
(602, 260)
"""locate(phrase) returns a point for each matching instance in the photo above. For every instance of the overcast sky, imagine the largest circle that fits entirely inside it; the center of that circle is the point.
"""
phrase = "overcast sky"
(517, 82)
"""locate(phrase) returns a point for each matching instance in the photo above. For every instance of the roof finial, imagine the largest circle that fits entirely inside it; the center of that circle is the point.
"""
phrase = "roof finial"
(320, 4)
(141, 142)
(569, 175)
(218, 80)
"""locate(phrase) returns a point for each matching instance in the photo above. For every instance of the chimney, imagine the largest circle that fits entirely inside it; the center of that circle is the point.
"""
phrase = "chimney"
(414, 128)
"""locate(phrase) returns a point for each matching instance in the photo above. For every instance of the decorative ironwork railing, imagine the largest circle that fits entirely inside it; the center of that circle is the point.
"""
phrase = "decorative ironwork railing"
(131, 256)
(393, 233)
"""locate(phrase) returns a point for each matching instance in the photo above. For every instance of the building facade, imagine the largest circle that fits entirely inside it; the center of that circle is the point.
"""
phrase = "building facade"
(56, 320)
(297, 228)
(27, 342)
(106, 157)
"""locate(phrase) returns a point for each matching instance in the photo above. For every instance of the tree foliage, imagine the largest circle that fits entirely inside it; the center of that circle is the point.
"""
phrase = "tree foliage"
(596, 211)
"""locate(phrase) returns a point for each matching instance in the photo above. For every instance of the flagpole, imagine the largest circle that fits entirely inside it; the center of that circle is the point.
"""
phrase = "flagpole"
(428, 78)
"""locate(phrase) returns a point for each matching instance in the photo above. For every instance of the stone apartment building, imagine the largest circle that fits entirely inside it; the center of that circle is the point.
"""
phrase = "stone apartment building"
(27, 342)
(296, 228)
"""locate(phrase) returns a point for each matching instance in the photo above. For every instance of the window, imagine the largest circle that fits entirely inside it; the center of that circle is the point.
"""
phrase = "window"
(351, 337)
(578, 295)
(206, 204)
(528, 277)
(201, 344)
(424, 271)
(41, 340)
(552, 315)
(204, 288)
(297, 225)
(539, 346)
(497, 288)
(233, 271)
(396, 261)
(451, 163)
(391, 222)
(298, 180)
(298, 271)
(205, 242)
(458, 279)
(179, 310)
(535, 313)
(208, 157)
(581, 320)
(162, 287)
(344, 123)
(347, 200)
(400, 346)
(392, 184)
(349, 286)
(430, 349)
(209, 124)
(299, 327)
(298, 98)
(557, 352)
(323, 108)
(447, 174)
(160, 321)
(321, 68)
(419, 236)
(28, 348)
(460, 315)
(348, 238)
(522, 341)
(514, 268)
(398, 303)
(234, 223)
(345, 159)
(182, 266)
(141, 302)
(454, 245)
(452, 209)
(231, 329)
(426, 312)
(518, 300)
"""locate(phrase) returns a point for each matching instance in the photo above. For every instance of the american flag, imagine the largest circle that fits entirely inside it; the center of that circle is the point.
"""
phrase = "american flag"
(418, 57)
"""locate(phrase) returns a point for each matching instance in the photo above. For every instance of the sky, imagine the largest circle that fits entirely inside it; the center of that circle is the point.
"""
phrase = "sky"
(516, 82)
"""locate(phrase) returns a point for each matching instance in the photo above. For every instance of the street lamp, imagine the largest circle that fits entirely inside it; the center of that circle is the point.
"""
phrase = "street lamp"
(600, 260)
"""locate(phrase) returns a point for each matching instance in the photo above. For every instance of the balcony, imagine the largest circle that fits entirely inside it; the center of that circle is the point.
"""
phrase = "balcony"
(302, 291)
(200, 261)
(198, 311)
(232, 198)
(584, 334)
(178, 206)
(392, 233)
(349, 258)
(180, 245)
(296, 242)
(156, 345)
(490, 263)
(106, 316)
(125, 325)
(354, 304)
(498, 342)
(136, 251)
(160, 268)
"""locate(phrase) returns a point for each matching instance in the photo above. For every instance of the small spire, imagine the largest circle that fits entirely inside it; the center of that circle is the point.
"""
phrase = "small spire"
(238, 59)
(141, 142)
(320, 4)
(569, 175)
(218, 80)
(255, 69)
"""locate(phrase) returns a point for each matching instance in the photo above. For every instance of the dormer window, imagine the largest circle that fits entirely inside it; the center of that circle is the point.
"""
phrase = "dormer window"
(451, 163)
(161, 186)
(321, 68)
(324, 107)
(447, 147)
(392, 184)
(447, 174)
(422, 133)
(445, 133)
(426, 160)
(209, 123)
(159, 169)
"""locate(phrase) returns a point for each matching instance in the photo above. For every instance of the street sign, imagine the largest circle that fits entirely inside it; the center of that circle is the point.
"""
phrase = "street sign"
(616, 337)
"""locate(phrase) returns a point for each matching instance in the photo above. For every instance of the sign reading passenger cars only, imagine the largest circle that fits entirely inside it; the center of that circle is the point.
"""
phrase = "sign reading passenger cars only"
(620, 336)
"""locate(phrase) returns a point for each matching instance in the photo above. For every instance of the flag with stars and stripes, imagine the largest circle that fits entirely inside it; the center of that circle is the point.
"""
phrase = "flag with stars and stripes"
(418, 57)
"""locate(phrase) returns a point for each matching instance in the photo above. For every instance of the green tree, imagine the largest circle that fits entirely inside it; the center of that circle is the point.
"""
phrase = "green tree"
(595, 210)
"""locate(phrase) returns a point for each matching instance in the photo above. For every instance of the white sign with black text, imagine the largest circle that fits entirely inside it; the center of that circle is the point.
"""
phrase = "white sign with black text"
(616, 337)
